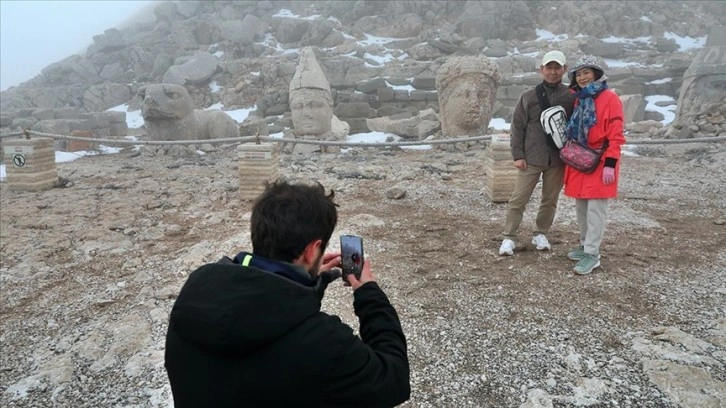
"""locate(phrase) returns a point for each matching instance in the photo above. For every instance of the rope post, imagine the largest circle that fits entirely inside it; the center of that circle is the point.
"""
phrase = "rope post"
(26, 132)
(30, 164)
(501, 175)
(258, 164)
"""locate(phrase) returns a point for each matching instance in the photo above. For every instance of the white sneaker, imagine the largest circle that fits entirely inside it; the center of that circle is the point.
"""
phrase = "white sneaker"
(540, 241)
(507, 247)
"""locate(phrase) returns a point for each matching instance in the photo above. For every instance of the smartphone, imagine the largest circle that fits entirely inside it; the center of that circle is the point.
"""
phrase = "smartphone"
(351, 255)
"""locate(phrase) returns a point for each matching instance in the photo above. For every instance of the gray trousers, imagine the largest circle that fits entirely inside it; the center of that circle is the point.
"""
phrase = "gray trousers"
(552, 181)
(592, 215)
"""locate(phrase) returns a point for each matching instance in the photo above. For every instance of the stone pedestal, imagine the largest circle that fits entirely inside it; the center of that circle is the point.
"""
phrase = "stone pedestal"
(500, 172)
(30, 164)
(81, 145)
(258, 164)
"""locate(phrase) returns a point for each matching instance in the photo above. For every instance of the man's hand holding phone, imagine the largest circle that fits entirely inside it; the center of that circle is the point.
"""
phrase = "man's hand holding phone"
(365, 277)
(356, 270)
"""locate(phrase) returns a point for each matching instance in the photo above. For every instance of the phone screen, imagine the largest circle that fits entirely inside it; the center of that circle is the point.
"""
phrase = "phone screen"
(351, 254)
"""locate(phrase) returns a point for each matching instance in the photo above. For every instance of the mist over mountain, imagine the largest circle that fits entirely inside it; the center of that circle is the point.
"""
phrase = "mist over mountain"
(254, 47)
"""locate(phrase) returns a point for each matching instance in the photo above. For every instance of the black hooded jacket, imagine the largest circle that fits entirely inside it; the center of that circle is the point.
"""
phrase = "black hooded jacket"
(240, 336)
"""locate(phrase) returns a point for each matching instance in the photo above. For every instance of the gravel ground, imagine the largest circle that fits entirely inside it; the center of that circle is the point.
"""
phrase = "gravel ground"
(89, 273)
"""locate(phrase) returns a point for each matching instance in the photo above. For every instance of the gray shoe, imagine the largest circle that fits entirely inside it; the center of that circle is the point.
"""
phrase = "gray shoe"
(540, 242)
(587, 264)
(507, 247)
(577, 253)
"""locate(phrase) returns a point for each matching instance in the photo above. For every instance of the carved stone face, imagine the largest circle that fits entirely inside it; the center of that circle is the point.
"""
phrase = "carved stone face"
(465, 105)
(165, 101)
(312, 111)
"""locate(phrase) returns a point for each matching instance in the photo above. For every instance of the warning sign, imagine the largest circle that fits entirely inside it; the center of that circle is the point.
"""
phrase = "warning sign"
(19, 160)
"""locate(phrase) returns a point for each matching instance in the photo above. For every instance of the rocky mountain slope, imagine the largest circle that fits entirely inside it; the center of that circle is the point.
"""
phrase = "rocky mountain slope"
(89, 272)
(243, 52)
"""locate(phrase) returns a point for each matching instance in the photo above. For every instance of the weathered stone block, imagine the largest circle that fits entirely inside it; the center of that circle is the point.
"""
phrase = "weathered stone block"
(44, 114)
(357, 125)
(418, 95)
(424, 82)
(30, 164)
(81, 145)
(385, 94)
(388, 109)
(118, 129)
(354, 109)
(359, 97)
(401, 95)
(71, 113)
(342, 95)
(370, 85)
(500, 174)
(258, 164)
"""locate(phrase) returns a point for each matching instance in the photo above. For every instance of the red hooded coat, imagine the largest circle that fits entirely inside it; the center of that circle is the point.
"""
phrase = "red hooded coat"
(609, 126)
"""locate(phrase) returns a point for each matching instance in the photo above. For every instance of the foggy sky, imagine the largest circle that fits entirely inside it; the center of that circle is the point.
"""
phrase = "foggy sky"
(34, 34)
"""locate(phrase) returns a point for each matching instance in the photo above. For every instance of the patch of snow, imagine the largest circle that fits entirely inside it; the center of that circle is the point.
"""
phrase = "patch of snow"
(499, 124)
(632, 41)
(401, 87)
(216, 106)
(134, 120)
(659, 81)
(686, 43)
(239, 115)
(550, 36)
(214, 87)
(611, 63)
(285, 13)
(668, 112)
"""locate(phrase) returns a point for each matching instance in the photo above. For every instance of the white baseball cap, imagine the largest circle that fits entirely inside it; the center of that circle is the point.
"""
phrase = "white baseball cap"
(555, 56)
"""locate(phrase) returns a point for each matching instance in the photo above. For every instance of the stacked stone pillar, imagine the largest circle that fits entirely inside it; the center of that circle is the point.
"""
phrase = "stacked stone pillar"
(30, 164)
(500, 171)
(258, 164)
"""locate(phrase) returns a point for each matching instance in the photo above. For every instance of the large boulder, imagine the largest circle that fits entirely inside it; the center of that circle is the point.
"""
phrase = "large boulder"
(101, 97)
(196, 70)
(289, 30)
(418, 127)
(242, 31)
(704, 86)
(110, 40)
(73, 70)
(633, 107)
(508, 20)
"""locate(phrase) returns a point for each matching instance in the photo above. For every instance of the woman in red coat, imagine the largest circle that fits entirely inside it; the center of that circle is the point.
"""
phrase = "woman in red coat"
(597, 118)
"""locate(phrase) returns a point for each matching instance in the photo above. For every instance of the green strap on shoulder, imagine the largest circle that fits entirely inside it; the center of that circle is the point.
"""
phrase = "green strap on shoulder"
(247, 259)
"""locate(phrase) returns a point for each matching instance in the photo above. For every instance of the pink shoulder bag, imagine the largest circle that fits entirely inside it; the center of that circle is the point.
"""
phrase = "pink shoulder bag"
(581, 158)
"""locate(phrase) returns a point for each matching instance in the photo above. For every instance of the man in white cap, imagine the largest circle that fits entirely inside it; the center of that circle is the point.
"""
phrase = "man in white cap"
(535, 156)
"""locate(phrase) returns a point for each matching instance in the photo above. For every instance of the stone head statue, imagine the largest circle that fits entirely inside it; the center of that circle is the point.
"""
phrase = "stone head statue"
(164, 101)
(311, 102)
(169, 114)
(466, 87)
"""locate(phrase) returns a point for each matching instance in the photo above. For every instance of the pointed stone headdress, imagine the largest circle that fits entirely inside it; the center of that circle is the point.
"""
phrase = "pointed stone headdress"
(308, 73)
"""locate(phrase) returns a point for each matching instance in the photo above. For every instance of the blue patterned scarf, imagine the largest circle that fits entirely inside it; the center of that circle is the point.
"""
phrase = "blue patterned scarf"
(583, 117)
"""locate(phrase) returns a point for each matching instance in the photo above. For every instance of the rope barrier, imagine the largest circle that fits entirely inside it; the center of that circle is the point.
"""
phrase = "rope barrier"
(678, 141)
(246, 139)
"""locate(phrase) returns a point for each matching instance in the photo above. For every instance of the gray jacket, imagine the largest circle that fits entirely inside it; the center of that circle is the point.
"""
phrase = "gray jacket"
(528, 140)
